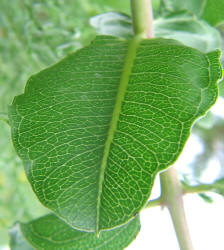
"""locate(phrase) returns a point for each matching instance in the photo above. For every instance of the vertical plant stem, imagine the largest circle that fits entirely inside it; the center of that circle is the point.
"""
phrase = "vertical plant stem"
(172, 192)
(172, 196)
(142, 18)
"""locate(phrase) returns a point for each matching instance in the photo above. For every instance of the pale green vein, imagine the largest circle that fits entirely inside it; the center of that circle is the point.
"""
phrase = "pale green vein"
(129, 60)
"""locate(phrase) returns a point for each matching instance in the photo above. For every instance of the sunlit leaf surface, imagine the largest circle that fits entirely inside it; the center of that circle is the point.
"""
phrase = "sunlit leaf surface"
(95, 129)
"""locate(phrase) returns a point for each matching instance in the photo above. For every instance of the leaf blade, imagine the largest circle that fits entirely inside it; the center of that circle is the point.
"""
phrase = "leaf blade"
(66, 113)
(49, 232)
(189, 30)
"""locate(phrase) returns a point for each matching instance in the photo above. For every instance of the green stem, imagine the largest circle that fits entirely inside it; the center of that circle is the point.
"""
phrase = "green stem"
(186, 190)
(172, 195)
(142, 18)
(197, 189)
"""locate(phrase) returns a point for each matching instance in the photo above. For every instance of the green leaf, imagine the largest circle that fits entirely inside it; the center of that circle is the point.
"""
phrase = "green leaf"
(209, 10)
(206, 198)
(181, 26)
(213, 12)
(113, 23)
(49, 232)
(187, 29)
(195, 6)
(95, 129)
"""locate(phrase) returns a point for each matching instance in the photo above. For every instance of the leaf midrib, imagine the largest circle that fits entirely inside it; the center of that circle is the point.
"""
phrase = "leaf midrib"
(128, 63)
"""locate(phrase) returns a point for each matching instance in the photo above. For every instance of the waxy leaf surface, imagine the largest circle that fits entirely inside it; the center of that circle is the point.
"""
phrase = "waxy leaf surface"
(113, 24)
(189, 30)
(49, 232)
(95, 129)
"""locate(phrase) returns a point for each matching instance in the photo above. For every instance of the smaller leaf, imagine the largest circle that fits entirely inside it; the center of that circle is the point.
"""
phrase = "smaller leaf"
(49, 232)
(187, 29)
(113, 23)
(206, 198)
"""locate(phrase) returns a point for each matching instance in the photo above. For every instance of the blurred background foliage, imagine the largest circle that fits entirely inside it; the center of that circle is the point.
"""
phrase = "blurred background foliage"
(33, 35)
(37, 33)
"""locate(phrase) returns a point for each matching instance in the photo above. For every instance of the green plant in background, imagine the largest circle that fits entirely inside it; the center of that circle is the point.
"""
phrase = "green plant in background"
(95, 129)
